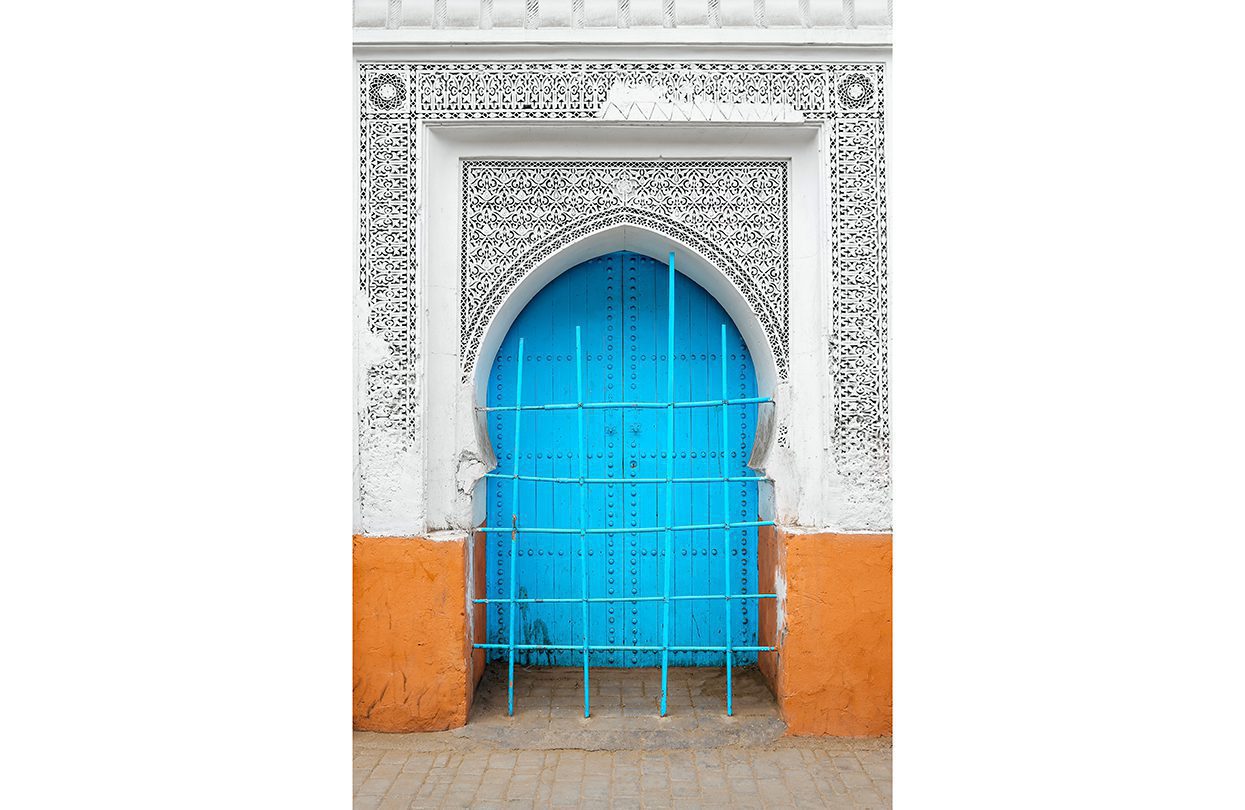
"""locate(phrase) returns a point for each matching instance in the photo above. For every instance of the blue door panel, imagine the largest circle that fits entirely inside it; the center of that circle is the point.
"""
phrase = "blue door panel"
(619, 301)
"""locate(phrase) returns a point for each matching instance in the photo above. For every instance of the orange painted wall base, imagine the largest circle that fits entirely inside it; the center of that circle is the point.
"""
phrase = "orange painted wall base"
(831, 674)
(414, 667)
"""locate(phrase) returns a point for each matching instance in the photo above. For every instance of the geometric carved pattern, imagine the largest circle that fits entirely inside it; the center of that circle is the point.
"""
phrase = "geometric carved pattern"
(580, 90)
(848, 98)
(518, 213)
(858, 250)
(855, 91)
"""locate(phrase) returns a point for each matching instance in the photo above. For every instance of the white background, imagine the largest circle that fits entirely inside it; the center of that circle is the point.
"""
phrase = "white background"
(178, 259)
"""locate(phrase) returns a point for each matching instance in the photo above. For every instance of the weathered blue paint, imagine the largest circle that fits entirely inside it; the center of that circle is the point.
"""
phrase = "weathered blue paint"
(619, 301)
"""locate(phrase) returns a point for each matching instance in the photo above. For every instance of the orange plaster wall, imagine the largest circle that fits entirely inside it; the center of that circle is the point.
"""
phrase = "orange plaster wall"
(832, 673)
(412, 653)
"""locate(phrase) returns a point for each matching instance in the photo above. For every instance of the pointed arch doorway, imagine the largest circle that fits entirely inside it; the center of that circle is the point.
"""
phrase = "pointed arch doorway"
(619, 301)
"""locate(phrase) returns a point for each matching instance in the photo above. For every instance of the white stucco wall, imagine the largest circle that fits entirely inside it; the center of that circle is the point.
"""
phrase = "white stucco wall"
(428, 482)
(605, 13)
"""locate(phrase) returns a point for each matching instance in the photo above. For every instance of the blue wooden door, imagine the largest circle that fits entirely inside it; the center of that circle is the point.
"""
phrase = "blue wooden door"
(620, 302)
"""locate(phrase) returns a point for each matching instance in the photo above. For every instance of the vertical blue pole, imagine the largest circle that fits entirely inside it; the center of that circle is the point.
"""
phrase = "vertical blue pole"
(726, 531)
(583, 502)
(514, 525)
(665, 629)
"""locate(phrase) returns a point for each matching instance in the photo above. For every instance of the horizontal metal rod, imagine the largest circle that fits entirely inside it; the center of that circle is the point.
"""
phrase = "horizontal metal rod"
(617, 648)
(556, 480)
(748, 524)
(570, 406)
(629, 598)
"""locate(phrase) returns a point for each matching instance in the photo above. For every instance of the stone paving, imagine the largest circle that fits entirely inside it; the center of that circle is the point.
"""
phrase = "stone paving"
(625, 755)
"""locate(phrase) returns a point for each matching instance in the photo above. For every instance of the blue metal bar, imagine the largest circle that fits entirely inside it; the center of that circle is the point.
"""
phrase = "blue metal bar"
(743, 524)
(620, 647)
(583, 504)
(570, 406)
(726, 533)
(555, 480)
(665, 628)
(514, 532)
(599, 599)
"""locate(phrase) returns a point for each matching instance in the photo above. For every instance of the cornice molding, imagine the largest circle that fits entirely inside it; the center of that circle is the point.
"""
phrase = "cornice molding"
(865, 36)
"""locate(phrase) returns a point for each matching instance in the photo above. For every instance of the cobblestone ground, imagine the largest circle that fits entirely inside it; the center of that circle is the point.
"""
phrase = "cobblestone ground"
(549, 757)
(796, 774)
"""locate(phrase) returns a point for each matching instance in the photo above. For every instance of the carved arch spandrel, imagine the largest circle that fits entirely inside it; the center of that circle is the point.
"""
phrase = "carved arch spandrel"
(518, 213)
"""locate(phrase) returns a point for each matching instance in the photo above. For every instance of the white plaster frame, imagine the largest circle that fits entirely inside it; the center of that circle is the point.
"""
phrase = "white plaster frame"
(456, 450)
(412, 487)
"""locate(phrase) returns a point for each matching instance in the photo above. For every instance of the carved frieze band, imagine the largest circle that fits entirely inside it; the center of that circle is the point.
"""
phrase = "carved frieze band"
(394, 98)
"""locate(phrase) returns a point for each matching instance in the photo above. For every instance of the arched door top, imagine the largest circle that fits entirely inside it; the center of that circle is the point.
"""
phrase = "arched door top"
(638, 232)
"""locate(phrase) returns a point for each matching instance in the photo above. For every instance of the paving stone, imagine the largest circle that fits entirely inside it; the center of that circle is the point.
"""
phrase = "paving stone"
(565, 794)
(867, 796)
(406, 784)
(393, 802)
(496, 775)
(855, 781)
(394, 757)
(384, 771)
(367, 758)
(506, 759)
(654, 781)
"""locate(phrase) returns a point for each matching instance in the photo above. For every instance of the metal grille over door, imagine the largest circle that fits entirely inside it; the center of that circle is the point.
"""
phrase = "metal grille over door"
(622, 516)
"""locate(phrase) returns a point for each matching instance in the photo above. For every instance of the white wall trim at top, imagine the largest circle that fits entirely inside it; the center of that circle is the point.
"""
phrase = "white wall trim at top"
(870, 36)
(615, 51)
